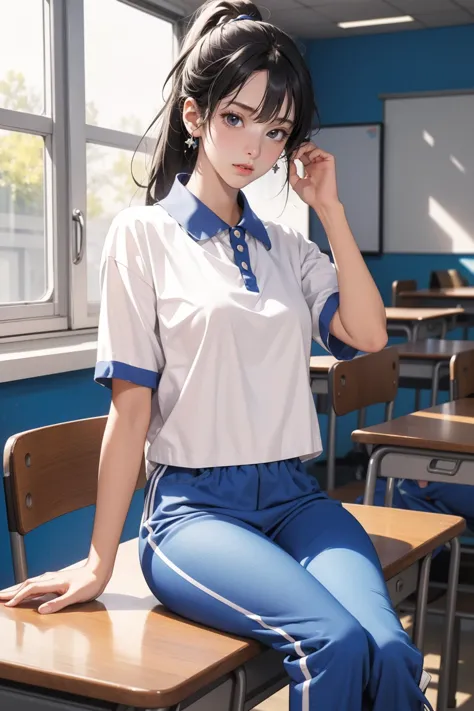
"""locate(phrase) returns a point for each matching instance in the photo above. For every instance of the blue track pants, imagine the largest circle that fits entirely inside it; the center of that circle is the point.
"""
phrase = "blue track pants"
(259, 551)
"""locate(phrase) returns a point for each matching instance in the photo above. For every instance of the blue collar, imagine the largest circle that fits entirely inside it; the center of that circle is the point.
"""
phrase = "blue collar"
(200, 221)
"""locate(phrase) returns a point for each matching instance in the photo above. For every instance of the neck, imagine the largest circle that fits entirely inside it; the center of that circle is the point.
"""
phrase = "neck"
(210, 189)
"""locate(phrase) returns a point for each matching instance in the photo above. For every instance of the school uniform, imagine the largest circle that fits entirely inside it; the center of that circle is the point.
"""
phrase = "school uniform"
(217, 320)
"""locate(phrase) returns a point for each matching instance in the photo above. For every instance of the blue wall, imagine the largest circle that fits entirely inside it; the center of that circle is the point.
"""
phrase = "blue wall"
(36, 402)
(348, 76)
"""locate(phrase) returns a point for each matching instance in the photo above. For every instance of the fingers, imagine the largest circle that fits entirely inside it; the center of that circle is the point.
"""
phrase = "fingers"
(8, 593)
(308, 153)
(35, 589)
(58, 603)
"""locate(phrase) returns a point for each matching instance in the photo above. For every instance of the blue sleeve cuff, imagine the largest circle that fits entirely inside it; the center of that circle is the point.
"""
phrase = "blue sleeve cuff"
(105, 370)
(336, 347)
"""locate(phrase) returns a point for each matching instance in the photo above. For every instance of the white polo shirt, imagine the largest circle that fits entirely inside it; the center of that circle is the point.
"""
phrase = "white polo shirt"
(218, 322)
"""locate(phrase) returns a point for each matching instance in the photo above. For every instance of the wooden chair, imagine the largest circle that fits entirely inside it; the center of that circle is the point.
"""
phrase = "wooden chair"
(48, 472)
(452, 279)
(354, 385)
(125, 648)
(447, 279)
(398, 287)
(461, 375)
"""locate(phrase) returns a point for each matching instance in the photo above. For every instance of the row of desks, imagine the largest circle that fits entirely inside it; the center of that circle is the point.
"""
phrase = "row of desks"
(422, 364)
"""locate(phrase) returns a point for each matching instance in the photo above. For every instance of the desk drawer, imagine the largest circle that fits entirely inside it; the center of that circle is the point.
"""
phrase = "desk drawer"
(403, 584)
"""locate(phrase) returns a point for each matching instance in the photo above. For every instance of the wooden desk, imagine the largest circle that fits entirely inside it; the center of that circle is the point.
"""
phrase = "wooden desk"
(125, 648)
(421, 323)
(462, 296)
(436, 444)
(422, 363)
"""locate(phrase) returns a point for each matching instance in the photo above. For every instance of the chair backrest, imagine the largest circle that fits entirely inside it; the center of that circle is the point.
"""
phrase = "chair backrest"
(50, 471)
(447, 279)
(461, 375)
(366, 380)
(399, 286)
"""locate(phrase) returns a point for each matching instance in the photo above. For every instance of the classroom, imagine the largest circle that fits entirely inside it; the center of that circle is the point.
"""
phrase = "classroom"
(383, 422)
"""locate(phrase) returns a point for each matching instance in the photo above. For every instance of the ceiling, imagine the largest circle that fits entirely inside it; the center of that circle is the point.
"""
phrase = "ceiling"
(319, 18)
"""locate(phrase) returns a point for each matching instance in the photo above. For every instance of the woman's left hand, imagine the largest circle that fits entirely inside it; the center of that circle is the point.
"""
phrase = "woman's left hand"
(318, 187)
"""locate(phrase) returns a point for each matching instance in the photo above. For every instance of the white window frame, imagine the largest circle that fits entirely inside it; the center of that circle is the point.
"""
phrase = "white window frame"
(51, 313)
(66, 308)
(82, 313)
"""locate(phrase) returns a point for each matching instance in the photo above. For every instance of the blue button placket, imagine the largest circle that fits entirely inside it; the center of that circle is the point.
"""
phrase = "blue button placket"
(242, 257)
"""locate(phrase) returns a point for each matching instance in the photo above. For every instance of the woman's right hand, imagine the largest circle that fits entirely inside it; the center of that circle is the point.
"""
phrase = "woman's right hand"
(72, 585)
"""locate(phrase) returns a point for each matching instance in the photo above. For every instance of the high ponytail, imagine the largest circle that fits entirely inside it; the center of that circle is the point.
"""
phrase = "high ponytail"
(217, 57)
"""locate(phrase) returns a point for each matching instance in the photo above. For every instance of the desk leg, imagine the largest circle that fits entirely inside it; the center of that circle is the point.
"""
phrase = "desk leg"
(448, 638)
(419, 622)
(371, 480)
(331, 455)
(435, 381)
(240, 690)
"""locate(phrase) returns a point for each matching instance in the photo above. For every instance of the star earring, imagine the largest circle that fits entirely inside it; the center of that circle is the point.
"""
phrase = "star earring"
(191, 142)
(276, 168)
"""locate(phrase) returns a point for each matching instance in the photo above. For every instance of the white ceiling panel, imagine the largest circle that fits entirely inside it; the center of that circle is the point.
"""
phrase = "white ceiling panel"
(319, 18)
(418, 6)
(346, 11)
(444, 19)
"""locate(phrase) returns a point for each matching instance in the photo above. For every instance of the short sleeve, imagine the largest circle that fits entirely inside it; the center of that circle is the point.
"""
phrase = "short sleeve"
(320, 289)
(129, 345)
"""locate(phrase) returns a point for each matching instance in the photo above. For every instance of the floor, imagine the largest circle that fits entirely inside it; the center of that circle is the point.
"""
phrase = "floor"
(465, 695)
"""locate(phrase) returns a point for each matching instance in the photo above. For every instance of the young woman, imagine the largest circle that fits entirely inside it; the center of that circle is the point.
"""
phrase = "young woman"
(206, 322)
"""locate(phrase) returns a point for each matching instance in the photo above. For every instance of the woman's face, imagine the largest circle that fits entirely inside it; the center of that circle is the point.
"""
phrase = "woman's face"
(234, 138)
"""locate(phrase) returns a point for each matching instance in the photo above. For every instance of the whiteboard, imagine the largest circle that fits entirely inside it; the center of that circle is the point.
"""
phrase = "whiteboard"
(357, 149)
(267, 198)
(429, 174)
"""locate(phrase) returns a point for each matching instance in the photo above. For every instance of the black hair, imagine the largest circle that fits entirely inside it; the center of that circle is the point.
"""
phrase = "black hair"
(216, 59)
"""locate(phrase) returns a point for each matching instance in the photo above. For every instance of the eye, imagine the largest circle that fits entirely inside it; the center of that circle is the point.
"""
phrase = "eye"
(231, 119)
(284, 134)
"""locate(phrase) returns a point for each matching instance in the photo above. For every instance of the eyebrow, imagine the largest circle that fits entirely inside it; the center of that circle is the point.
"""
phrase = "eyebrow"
(253, 111)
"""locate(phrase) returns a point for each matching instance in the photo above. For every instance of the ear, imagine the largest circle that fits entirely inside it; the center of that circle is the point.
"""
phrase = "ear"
(191, 116)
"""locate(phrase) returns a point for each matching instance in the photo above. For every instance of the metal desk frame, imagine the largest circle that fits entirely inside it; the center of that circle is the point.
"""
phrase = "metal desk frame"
(429, 465)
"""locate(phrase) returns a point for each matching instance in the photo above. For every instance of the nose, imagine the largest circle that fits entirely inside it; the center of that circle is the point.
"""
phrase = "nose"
(253, 151)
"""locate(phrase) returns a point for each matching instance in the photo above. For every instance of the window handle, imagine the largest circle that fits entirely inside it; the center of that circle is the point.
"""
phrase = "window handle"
(78, 247)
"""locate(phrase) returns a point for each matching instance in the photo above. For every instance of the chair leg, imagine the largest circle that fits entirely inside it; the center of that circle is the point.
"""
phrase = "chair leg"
(454, 666)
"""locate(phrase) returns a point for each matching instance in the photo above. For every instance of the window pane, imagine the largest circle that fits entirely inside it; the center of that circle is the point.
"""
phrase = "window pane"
(23, 270)
(128, 54)
(22, 55)
(110, 188)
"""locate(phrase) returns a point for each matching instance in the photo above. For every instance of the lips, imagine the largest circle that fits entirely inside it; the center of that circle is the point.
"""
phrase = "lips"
(244, 165)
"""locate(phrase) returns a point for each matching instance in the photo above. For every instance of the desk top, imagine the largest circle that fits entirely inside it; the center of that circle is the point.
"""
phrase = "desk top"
(460, 292)
(126, 648)
(321, 364)
(396, 313)
(432, 349)
(448, 428)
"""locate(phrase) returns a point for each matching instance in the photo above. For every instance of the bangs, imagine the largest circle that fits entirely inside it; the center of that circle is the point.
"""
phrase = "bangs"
(284, 84)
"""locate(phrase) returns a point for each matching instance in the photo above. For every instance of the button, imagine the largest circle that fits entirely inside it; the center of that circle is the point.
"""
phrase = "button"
(237, 233)
(240, 247)
(245, 265)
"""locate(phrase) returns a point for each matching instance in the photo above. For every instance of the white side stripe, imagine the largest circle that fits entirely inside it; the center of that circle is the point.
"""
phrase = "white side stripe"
(247, 613)
(155, 478)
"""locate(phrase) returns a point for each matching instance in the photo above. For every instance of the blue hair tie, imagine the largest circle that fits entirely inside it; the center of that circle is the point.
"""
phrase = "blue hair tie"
(243, 17)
